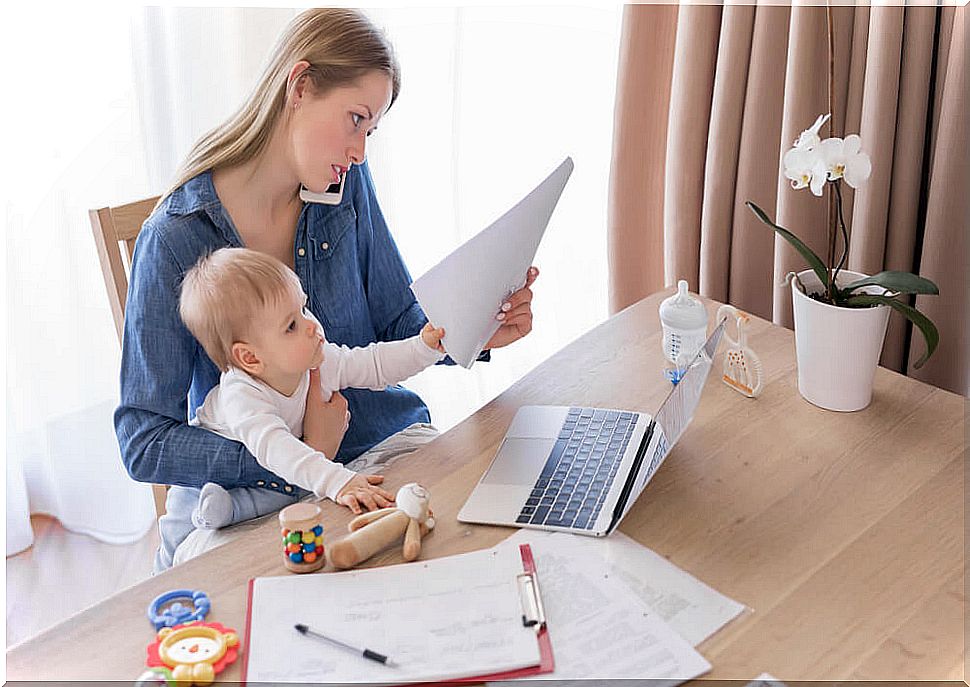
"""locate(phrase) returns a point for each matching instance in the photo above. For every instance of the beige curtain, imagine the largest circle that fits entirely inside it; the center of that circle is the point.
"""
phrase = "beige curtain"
(708, 99)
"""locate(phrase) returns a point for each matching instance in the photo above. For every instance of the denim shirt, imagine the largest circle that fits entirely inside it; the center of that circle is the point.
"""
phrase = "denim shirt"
(357, 285)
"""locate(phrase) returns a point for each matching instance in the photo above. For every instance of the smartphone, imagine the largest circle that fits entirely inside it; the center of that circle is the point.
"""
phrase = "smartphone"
(331, 196)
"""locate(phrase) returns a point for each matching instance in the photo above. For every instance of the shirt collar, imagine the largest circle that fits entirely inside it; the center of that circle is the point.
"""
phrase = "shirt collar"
(198, 194)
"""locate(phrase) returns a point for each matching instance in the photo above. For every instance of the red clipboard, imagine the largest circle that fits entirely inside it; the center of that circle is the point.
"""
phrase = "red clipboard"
(533, 615)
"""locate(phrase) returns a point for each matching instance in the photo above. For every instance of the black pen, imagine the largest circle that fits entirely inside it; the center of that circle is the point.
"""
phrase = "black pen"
(366, 653)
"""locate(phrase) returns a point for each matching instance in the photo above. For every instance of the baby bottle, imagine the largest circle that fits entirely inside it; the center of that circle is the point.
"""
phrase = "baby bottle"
(684, 321)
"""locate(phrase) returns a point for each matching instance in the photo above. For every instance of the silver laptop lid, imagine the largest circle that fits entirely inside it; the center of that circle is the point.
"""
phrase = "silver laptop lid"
(668, 424)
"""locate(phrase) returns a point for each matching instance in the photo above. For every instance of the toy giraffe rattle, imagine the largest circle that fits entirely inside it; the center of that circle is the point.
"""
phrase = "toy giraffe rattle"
(742, 368)
(371, 532)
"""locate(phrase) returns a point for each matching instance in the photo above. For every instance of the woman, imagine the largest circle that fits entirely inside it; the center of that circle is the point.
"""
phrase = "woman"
(331, 78)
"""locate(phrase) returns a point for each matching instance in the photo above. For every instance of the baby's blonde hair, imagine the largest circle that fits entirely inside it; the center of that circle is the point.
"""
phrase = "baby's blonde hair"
(226, 291)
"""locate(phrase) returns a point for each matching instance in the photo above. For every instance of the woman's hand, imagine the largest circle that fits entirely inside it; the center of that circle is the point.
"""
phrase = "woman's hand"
(362, 492)
(516, 314)
(325, 422)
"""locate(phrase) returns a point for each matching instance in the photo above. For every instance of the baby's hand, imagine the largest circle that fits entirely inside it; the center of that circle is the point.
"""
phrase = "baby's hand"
(432, 337)
(361, 491)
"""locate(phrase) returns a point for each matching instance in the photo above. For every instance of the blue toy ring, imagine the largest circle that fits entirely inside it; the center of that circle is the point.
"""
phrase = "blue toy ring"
(176, 614)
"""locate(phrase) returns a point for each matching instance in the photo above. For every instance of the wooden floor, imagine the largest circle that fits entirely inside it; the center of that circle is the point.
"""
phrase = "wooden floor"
(64, 572)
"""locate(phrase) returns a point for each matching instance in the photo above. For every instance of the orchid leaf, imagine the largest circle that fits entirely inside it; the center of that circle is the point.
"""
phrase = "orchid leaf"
(811, 258)
(898, 282)
(930, 333)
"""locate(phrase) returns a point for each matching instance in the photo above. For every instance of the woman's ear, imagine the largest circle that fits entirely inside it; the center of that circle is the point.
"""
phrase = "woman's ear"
(244, 357)
(295, 86)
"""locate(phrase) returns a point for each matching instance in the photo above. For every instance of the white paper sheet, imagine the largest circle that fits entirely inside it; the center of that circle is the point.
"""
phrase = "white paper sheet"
(464, 292)
(447, 618)
(600, 630)
(690, 607)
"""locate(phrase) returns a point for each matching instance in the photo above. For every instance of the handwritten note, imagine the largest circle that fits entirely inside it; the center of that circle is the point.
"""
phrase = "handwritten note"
(441, 619)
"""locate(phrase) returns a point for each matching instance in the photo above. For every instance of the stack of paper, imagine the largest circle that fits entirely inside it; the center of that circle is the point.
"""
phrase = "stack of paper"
(618, 610)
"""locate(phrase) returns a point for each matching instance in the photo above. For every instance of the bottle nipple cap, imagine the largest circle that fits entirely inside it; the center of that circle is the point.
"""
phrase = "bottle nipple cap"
(682, 311)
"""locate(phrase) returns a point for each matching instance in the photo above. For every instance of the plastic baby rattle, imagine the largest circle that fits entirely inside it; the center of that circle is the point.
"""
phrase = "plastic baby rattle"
(195, 652)
(371, 532)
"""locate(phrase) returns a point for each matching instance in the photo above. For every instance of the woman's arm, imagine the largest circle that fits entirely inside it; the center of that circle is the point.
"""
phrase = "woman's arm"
(157, 362)
(394, 310)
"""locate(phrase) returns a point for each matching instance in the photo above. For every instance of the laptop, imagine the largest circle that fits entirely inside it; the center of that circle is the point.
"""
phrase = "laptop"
(580, 470)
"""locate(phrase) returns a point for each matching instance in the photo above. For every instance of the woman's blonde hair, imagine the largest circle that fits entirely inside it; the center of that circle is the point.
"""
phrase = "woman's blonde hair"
(226, 291)
(340, 44)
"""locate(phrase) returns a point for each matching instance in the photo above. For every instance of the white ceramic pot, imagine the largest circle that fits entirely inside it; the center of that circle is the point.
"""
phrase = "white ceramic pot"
(837, 348)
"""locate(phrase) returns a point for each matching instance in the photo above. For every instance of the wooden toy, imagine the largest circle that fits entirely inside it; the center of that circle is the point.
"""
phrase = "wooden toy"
(302, 537)
(371, 532)
(194, 652)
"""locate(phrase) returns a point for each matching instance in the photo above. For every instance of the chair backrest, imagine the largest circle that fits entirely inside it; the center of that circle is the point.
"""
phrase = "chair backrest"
(115, 231)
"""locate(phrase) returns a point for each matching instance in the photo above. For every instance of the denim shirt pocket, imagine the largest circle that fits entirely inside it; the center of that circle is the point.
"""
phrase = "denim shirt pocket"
(332, 230)
(338, 292)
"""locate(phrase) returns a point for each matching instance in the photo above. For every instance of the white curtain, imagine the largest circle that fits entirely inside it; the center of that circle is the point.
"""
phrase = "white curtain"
(72, 144)
(492, 99)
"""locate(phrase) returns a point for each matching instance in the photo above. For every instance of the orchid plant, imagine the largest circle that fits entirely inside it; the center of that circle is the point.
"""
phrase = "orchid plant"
(812, 163)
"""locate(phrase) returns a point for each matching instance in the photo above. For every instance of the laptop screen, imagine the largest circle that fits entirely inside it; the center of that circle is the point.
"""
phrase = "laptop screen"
(677, 410)
(669, 424)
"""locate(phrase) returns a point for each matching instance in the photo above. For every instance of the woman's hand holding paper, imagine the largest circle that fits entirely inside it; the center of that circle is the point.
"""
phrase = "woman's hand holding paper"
(517, 319)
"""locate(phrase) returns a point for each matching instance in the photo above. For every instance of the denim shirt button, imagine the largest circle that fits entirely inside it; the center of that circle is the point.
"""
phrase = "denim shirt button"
(274, 485)
(301, 252)
(288, 488)
(260, 483)
(325, 245)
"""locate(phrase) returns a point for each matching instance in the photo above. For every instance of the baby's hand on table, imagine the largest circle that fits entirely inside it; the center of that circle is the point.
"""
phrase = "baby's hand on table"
(361, 493)
(432, 337)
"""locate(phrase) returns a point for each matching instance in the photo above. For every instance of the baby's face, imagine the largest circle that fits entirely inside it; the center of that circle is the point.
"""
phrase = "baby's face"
(290, 340)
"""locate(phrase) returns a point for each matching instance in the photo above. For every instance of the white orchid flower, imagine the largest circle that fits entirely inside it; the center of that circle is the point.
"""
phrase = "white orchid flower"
(844, 159)
(805, 168)
(810, 138)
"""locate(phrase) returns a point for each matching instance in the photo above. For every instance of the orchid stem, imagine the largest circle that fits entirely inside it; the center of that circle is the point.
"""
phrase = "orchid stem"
(845, 234)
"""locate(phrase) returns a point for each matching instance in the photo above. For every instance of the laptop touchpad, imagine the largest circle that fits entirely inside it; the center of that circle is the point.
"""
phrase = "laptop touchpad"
(519, 461)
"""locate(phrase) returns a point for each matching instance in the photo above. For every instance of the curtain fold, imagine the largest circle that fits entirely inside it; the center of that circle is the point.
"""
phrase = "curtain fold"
(695, 56)
(635, 208)
(721, 168)
(752, 244)
(945, 245)
(743, 83)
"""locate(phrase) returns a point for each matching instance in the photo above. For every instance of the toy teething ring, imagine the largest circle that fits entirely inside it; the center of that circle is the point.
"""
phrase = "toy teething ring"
(176, 614)
(195, 652)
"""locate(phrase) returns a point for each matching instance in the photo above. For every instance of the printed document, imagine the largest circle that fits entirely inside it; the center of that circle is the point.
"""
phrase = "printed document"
(690, 607)
(464, 292)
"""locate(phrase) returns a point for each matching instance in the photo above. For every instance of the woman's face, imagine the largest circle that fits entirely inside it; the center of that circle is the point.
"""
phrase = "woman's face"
(329, 132)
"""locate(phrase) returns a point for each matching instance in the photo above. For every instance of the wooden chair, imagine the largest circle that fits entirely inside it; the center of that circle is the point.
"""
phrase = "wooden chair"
(115, 231)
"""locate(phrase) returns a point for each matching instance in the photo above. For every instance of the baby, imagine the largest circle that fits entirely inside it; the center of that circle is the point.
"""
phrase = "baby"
(249, 312)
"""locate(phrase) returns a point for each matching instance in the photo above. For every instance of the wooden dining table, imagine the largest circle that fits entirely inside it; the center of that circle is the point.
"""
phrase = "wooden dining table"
(843, 533)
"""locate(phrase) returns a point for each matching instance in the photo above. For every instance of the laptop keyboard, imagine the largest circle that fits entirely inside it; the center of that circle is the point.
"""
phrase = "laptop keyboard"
(580, 469)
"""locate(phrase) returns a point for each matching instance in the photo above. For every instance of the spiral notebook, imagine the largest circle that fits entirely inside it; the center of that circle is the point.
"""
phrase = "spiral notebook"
(470, 617)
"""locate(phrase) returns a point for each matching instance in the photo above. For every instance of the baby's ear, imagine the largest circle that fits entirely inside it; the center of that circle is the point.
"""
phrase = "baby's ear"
(244, 357)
